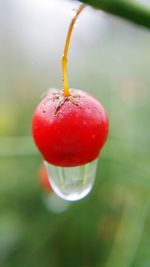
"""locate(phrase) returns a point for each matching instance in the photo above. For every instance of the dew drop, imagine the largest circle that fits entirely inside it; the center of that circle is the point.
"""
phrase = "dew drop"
(72, 183)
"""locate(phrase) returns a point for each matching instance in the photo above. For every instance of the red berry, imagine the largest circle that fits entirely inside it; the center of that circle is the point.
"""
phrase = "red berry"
(43, 179)
(69, 131)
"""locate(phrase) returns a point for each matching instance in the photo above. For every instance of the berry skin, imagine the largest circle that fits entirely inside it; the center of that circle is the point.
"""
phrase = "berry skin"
(43, 179)
(69, 131)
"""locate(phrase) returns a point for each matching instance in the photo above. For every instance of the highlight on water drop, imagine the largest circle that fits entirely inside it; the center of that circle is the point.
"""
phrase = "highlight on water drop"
(72, 183)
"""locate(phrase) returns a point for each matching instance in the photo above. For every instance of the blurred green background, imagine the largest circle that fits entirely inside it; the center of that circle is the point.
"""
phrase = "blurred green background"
(110, 59)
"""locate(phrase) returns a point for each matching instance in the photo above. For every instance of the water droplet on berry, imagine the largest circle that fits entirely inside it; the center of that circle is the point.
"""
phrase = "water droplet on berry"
(72, 183)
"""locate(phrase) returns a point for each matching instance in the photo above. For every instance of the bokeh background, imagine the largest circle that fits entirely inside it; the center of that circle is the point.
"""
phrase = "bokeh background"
(109, 58)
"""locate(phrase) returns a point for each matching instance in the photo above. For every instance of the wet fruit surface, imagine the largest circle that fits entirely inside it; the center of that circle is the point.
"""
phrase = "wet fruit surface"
(69, 131)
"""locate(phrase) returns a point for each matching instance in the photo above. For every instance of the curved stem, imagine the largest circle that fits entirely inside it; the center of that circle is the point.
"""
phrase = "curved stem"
(64, 57)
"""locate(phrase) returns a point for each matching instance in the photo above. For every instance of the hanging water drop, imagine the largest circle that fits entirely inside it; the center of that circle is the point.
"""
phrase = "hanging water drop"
(72, 183)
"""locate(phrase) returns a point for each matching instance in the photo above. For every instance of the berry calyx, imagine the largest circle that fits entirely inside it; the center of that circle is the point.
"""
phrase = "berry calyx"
(69, 131)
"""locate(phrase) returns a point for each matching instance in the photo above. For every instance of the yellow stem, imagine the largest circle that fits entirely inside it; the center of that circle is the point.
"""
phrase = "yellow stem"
(64, 57)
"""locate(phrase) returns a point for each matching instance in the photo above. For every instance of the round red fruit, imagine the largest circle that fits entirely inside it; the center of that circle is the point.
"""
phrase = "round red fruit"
(69, 131)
